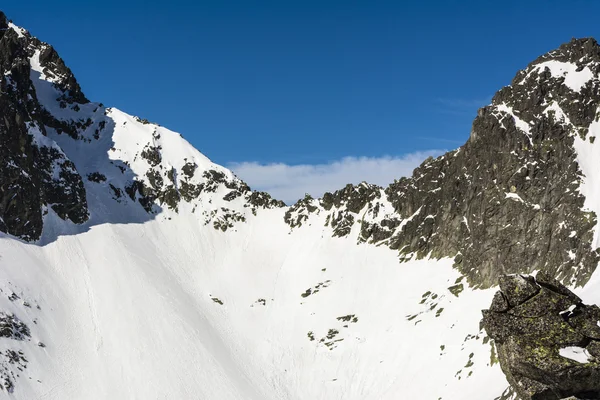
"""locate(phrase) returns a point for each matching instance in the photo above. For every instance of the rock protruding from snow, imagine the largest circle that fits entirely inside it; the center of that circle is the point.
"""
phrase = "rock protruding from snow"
(548, 341)
(510, 199)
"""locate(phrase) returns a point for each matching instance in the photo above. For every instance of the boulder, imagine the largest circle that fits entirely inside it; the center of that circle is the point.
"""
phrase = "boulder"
(548, 341)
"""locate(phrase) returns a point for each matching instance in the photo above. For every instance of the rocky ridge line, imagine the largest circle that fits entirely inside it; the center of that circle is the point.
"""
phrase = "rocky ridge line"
(508, 198)
(41, 103)
(507, 201)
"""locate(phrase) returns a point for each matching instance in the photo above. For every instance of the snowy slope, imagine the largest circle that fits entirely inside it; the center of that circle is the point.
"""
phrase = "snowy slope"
(127, 311)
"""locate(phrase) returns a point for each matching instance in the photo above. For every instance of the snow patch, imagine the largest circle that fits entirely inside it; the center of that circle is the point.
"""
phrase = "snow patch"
(514, 196)
(569, 310)
(519, 123)
(574, 80)
(588, 155)
(20, 31)
(575, 353)
(37, 67)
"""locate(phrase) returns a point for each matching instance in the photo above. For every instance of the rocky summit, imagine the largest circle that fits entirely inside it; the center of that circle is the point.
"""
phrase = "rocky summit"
(132, 266)
(548, 341)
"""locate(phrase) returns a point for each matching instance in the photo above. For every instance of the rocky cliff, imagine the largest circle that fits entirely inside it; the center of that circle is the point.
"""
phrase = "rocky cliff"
(35, 174)
(508, 201)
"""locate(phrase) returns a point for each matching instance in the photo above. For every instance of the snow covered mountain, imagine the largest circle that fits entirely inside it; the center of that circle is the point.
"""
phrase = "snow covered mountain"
(132, 267)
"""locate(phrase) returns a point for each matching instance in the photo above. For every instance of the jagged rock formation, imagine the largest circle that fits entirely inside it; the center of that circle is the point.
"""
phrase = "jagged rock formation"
(506, 199)
(548, 341)
(13, 329)
(35, 174)
(40, 101)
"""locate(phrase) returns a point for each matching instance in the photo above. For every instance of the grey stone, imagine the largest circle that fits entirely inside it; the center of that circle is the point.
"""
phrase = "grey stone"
(530, 334)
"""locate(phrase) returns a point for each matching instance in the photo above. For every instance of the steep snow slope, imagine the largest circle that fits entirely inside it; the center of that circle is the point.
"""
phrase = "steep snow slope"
(131, 311)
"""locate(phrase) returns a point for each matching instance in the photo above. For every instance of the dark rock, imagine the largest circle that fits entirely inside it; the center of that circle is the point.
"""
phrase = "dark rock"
(533, 325)
(227, 219)
(189, 169)
(96, 177)
(155, 179)
(152, 154)
(144, 195)
(189, 191)
(518, 288)
(499, 303)
(35, 176)
(263, 200)
(143, 121)
(13, 328)
(506, 201)
(170, 196)
(234, 194)
(544, 279)
(353, 197)
(346, 204)
(300, 212)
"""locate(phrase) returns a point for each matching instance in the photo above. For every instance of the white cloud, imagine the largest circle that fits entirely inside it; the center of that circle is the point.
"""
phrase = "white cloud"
(291, 182)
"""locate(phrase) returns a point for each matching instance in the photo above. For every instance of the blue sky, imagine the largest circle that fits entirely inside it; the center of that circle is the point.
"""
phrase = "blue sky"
(304, 84)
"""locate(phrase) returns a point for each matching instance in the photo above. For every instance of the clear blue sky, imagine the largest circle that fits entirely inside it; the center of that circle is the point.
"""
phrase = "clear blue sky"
(303, 82)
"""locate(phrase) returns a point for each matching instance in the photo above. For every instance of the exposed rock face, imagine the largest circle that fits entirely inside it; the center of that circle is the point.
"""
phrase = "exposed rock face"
(12, 329)
(34, 173)
(548, 341)
(505, 202)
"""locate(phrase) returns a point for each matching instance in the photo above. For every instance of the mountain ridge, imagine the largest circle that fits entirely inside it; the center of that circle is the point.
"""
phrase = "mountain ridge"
(142, 242)
(446, 234)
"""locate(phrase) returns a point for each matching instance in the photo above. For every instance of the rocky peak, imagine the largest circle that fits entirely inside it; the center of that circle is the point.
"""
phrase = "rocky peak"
(57, 148)
(581, 52)
(509, 200)
(35, 173)
(55, 69)
(548, 341)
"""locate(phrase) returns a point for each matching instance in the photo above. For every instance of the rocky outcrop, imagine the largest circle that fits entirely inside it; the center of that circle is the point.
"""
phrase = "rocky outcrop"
(548, 341)
(34, 174)
(12, 330)
(508, 200)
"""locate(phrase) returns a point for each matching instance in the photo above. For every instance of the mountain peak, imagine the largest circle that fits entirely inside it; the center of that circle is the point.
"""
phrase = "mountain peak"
(56, 139)
(580, 51)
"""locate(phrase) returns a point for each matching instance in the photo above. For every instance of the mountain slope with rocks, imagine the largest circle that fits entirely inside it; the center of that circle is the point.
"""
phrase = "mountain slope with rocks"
(131, 266)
